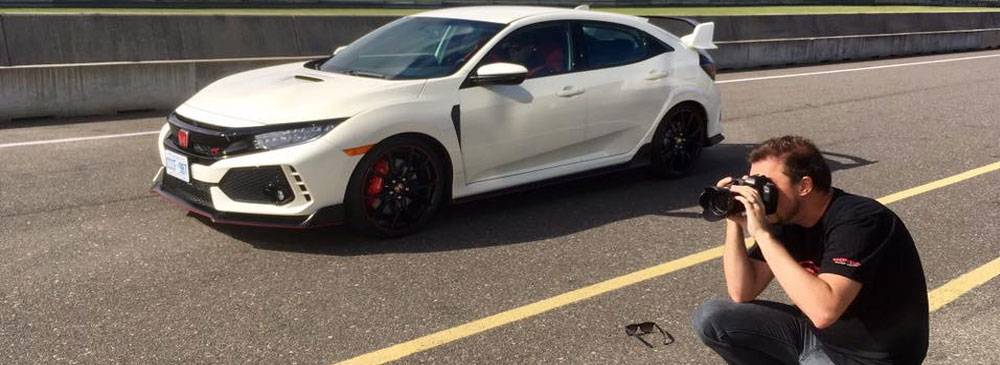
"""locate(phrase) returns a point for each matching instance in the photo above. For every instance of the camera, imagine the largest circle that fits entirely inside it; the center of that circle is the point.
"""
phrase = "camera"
(719, 203)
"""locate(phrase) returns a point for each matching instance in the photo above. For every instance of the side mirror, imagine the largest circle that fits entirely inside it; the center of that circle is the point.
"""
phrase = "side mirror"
(500, 74)
(341, 48)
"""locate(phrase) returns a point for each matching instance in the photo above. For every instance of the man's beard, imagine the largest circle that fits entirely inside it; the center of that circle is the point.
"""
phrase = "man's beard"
(792, 213)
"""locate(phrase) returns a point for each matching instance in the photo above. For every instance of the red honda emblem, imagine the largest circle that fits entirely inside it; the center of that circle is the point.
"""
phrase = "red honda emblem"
(182, 138)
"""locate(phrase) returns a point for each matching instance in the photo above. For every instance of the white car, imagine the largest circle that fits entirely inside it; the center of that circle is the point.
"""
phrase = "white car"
(438, 107)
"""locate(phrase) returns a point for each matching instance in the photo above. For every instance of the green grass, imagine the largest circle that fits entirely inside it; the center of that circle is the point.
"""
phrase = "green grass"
(683, 11)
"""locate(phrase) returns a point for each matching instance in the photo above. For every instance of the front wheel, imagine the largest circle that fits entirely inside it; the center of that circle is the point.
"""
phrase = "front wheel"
(396, 188)
(678, 141)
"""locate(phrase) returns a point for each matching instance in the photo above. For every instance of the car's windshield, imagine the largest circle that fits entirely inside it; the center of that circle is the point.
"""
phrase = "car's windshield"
(413, 48)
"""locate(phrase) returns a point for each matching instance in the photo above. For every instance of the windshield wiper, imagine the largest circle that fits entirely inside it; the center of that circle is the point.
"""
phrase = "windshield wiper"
(365, 74)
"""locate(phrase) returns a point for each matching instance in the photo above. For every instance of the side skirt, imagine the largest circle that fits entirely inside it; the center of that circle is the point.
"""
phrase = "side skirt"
(641, 159)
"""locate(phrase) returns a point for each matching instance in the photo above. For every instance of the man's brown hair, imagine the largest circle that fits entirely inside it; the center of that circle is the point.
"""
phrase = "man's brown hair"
(800, 158)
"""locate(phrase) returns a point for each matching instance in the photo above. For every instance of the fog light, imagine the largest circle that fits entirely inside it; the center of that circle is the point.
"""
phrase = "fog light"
(278, 193)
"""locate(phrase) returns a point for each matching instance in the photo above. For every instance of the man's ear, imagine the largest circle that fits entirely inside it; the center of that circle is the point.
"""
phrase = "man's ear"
(805, 186)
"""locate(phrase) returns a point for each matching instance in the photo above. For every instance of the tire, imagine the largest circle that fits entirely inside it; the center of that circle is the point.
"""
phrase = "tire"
(396, 188)
(678, 141)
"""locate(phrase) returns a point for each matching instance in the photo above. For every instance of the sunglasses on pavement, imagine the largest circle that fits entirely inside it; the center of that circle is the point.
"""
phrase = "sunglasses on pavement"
(637, 330)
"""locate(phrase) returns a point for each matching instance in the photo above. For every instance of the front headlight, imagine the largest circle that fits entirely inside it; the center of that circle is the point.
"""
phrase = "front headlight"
(288, 137)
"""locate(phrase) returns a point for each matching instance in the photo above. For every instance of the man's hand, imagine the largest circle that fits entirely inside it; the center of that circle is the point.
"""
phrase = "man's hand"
(735, 218)
(755, 220)
(745, 278)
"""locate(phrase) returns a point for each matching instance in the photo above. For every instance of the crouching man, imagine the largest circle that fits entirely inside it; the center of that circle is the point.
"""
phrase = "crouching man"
(846, 262)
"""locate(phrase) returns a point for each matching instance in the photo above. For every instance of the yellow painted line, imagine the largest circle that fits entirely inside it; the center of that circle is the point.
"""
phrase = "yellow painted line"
(519, 313)
(939, 184)
(947, 293)
(395, 352)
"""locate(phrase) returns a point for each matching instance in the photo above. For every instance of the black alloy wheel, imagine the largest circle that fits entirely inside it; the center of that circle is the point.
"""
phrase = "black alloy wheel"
(678, 141)
(396, 188)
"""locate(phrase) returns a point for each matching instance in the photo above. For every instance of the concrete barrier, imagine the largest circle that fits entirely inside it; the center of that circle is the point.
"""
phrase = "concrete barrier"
(66, 39)
(4, 56)
(440, 3)
(102, 89)
(106, 38)
(321, 35)
(734, 28)
(781, 52)
(59, 39)
(42, 39)
(245, 36)
(80, 82)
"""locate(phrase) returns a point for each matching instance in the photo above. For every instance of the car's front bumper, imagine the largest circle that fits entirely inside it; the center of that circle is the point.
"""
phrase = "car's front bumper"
(195, 198)
(239, 189)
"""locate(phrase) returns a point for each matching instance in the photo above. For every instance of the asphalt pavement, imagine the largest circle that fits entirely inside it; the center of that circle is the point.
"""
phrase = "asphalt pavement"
(97, 270)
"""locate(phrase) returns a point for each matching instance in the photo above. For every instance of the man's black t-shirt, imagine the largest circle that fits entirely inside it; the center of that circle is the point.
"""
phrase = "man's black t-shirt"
(861, 239)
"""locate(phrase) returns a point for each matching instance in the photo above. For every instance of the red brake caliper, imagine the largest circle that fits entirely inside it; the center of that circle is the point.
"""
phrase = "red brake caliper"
(375, 183)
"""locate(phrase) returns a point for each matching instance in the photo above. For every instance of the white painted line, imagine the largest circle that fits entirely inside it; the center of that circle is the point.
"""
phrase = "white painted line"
(856, 69)
(77, 139)
(717, 82)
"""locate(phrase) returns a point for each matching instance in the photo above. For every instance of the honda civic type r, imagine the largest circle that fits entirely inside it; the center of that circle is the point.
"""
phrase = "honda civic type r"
(437, 107)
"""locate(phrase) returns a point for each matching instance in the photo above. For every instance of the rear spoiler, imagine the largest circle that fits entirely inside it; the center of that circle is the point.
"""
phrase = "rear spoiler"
(700, 38)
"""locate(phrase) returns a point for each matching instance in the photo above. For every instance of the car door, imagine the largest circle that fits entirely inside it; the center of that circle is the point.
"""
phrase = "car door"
(538, 124)
(627, 74)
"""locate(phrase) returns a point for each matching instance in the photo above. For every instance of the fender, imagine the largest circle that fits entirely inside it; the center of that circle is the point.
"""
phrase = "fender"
(677, 96)
(428, 117)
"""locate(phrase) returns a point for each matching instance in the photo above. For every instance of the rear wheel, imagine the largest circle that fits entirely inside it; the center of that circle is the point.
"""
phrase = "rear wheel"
(678, 141)
(396, 188)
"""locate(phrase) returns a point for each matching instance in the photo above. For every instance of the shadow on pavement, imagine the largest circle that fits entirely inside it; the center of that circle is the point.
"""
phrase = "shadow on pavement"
(548, 212)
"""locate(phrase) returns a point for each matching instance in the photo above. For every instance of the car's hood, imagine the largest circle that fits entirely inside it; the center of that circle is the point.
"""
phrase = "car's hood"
(292, 93)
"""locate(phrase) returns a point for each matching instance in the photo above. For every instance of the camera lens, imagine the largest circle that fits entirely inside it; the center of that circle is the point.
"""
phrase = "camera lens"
(721, 204)
(717, 203)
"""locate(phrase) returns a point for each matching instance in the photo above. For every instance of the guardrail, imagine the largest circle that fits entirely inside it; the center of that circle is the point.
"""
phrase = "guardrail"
(73, 65)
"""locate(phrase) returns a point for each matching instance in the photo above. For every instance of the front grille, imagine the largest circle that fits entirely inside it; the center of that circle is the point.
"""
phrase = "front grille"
(196, 192)
(211, 143)
(256, 185)
(207, 141)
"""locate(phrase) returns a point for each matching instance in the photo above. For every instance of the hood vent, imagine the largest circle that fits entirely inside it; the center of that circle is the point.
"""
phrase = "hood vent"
(308, 78)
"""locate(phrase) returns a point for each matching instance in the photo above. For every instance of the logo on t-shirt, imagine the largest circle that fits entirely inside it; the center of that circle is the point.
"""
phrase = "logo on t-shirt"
(846, 262)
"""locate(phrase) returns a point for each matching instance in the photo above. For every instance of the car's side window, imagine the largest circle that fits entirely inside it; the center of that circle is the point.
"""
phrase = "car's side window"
(609, 45)
(655, 47)
(543, 49)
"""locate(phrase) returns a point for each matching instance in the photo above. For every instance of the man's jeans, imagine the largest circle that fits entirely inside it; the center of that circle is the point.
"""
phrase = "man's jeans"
(758, 332)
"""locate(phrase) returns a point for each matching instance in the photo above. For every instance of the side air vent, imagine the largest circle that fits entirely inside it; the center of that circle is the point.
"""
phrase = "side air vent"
(298, 182)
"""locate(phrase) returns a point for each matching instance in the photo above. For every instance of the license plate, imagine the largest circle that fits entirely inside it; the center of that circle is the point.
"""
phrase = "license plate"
(177, 166)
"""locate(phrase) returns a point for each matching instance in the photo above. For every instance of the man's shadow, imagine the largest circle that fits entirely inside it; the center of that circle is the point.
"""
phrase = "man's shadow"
(543, 213)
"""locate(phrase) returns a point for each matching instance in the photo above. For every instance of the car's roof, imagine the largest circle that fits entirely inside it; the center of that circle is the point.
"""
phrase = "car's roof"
(494, 14)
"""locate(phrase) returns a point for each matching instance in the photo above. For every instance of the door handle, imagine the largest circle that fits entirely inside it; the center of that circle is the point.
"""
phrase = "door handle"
(569, 91)
(656, 75)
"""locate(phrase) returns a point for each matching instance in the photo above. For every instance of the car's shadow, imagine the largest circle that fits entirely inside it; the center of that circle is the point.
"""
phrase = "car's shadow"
(538, 214)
